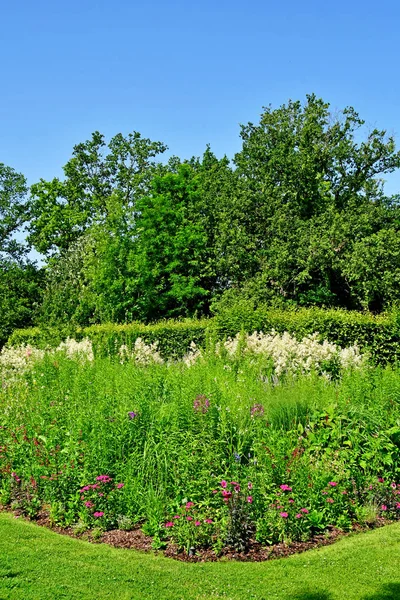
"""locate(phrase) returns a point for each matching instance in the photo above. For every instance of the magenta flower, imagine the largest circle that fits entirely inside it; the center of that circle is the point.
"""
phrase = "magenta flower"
(257, 410)
(285, 488)
(215, 491)
(250, 485)
(98, 514)
(380, 479)
(298, 516)
(132, 415)
(189, 505)
(120, 485)
(226, 494)
(291, 500)
(383, 507)
(89, 504)
(189, 518)
(103, 479)
(197, 523)
(332, 483)
(169, 524)
(304, 510)
(201, 404)
(234, 483)
(177, 517)
(86, 488)
(100, 494)
(223, 483)
(237, 488)
(210, 520)
(284, 515)
(398, 505)
(250, 499)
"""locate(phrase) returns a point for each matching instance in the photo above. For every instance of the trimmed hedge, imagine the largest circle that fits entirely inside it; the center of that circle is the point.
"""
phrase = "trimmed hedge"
(174, 337)
(380, 335)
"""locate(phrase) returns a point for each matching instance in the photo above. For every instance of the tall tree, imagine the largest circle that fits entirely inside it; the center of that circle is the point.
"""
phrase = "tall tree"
(311, 192)
(61, 211)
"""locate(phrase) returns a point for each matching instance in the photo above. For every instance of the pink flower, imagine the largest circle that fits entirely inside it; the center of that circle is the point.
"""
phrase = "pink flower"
(249, 499)
(223, 483)
(383, 507)
(100, 494)
(285, 488)
(94, 486)
(393, 486)
(176, 517)
(291, 500)
(250, 485)
(86, 488)
(89, 504)
(208, 521)
(344, 492)
(197, 523)
(284, 515)
(380, 479)
(120, 485)
(237, 488)
(330, 500)
(332, 483)
(398, 505)
(98, 514)
(169, 524)
(215, 491)
(298, 516)
(189, 505)
(189, 518)
(304, 510)
(371, 487)
(234, 483)
(226, 494)
(104, 478)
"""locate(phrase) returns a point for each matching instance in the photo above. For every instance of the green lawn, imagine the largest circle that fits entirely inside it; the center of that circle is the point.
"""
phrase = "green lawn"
(36, 563)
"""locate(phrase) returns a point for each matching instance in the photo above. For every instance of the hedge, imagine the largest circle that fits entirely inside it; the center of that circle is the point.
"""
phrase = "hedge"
(380, 335)
(173, 337)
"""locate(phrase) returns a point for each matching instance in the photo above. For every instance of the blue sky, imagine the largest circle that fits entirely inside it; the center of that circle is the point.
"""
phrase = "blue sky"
(185, 73)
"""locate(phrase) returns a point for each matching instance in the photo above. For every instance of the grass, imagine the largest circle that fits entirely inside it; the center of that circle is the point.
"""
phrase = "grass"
(38, 564)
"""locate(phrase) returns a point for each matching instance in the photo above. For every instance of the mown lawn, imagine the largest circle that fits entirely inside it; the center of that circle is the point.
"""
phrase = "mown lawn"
(36, 563)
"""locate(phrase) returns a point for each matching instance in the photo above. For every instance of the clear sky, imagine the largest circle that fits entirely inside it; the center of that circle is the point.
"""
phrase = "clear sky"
(186, 73)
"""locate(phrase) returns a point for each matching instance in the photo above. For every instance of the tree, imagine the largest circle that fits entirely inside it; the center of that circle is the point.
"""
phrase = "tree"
(170, 254)
(311, 193)
(61, 211)
(13, 207)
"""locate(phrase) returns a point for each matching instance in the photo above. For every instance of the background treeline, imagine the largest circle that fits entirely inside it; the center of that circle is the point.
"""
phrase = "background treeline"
(298, 218)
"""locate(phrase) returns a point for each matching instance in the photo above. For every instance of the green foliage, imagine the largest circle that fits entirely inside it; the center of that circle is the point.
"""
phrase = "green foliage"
(61, 211)
(20, 295)
(13, 206)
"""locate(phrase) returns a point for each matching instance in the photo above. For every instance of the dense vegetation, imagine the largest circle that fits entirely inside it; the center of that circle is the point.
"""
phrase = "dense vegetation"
(261, 438)
(298, 218)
